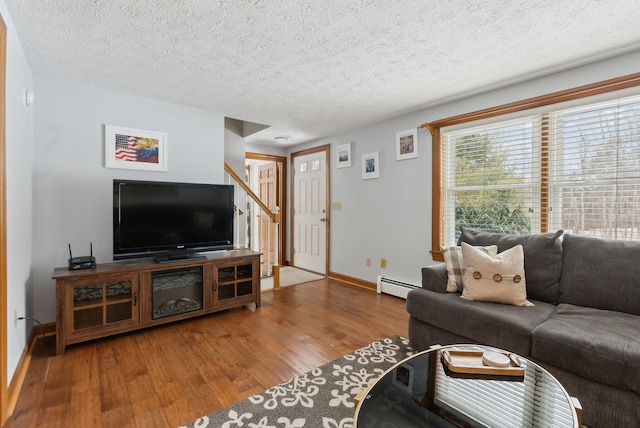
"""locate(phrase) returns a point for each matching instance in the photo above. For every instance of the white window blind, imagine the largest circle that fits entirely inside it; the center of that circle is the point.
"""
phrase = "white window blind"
(492, 177)
(596, 169)
(576, 169)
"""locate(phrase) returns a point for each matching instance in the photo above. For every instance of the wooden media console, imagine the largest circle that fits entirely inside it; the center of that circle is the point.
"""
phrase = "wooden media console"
(124, 296)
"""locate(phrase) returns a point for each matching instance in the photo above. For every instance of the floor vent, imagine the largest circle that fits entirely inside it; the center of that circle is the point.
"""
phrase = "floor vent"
(394, 287)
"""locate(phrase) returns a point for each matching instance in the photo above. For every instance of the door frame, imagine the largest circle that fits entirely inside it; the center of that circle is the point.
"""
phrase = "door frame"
(327, 151)
(281, 186)
(3, 227)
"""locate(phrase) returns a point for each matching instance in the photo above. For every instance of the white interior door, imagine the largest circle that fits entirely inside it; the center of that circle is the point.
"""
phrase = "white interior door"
(310, 212)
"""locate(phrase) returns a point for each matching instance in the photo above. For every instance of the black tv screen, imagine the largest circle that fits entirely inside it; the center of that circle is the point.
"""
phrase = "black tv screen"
(171, 220)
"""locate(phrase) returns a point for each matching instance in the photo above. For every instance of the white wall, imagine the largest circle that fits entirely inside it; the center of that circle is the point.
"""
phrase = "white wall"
(234, 145)
(73, 189)
(19, 171)
(234, 149)
(390, 217)
(266, 150)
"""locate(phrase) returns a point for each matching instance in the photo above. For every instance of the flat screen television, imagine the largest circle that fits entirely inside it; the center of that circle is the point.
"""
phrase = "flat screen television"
(170, 221)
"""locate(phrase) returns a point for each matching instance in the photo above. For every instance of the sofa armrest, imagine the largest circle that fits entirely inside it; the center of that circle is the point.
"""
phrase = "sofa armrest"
(434, 278)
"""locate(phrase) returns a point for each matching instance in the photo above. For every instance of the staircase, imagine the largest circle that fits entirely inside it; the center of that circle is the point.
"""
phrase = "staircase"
(256, 226)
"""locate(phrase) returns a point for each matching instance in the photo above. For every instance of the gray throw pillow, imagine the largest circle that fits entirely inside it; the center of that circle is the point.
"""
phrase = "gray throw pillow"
(542, 258)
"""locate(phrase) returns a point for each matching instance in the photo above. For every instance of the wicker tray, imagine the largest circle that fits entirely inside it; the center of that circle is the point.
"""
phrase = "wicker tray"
(470, 362)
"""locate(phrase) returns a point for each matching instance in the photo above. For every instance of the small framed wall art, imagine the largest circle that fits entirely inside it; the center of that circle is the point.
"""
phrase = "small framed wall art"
(135, 149)
(407, 144)
(344, 155)
(370, 165)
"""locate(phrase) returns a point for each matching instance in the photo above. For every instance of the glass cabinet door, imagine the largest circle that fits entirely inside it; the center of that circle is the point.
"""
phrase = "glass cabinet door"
(119, 301)
(244, 286)
(233, 282)
(87, 306)
(226, 283)
(101, 303)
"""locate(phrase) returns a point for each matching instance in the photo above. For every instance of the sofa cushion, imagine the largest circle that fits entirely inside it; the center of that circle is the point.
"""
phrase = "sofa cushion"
(596, 344)
(601, 274)
(498, 278)
(542, 258)
(434, 278)
(454, 262)
(494, 324)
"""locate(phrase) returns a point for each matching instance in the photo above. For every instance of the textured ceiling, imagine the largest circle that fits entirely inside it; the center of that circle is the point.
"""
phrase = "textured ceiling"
(313, 68)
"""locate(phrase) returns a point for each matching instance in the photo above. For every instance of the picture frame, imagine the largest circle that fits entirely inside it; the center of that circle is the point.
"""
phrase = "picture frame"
(343, 155)
(403, 377)
(407, 144)
(370, 165)
(130, 148)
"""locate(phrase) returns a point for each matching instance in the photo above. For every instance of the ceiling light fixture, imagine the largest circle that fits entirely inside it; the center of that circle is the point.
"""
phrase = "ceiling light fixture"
(281, 139)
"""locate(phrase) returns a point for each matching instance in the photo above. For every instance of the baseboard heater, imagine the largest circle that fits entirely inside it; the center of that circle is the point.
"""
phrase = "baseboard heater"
(394, 287)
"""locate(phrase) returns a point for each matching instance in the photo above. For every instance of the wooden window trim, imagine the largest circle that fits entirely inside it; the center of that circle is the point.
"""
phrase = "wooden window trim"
(544, 173)
(4, 406)
(437, 226)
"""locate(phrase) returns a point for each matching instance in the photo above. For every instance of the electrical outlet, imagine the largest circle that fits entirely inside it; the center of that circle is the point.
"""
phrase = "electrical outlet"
(15, 318)
(368, 261)
(383, 263)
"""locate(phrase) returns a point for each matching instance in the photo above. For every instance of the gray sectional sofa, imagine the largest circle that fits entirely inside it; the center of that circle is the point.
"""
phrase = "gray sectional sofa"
(584, 328)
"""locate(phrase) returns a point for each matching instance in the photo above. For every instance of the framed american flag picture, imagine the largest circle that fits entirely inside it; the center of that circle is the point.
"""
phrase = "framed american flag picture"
(135, 149)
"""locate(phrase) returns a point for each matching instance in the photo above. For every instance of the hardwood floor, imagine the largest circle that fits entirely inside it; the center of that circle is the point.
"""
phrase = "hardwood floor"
(173, 374)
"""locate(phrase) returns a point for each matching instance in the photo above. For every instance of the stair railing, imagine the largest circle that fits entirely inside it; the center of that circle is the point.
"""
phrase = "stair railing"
(248, 227)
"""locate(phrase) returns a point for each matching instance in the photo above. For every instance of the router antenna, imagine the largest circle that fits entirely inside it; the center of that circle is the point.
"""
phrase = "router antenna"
(70, 256)
(91, 248)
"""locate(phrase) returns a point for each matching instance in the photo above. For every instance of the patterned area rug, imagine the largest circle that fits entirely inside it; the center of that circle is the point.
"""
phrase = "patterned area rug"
(322, 397)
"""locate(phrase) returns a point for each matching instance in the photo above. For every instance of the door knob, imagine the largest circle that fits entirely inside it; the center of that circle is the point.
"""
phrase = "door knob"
(323, 219)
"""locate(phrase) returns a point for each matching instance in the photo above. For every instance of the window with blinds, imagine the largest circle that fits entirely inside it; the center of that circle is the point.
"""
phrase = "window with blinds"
(595, 174)
(576, 169)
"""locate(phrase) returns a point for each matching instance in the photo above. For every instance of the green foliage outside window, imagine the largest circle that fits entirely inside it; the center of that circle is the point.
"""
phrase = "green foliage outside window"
(493, 217)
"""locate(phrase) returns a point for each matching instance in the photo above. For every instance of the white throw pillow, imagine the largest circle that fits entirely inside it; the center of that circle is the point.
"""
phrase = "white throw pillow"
(498, 278)
(454, 263)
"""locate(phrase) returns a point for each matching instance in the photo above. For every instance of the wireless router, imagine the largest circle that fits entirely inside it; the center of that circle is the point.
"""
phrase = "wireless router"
(83, 262)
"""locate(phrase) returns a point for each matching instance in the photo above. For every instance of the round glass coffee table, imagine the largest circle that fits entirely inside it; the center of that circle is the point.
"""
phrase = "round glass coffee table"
(450, 386)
